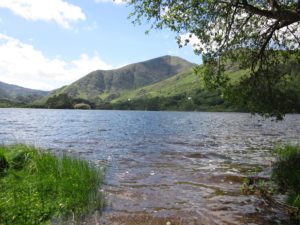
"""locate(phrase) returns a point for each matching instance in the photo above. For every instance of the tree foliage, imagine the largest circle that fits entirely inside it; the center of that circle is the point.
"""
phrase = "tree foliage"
(262, 37)
(61, 101)
(64, 101)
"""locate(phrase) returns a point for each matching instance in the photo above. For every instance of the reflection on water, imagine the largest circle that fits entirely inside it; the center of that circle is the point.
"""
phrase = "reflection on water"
(185, 168)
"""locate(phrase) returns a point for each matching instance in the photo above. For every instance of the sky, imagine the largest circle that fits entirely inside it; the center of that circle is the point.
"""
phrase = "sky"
(46, 44)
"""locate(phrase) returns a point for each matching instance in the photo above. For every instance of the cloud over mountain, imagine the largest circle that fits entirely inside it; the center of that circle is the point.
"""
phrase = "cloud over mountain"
(23, 64)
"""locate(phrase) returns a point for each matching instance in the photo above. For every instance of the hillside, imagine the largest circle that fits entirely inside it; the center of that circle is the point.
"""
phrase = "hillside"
(13, 93)
(109, 84)
(184, 82)
(164, 83)
(182, 92)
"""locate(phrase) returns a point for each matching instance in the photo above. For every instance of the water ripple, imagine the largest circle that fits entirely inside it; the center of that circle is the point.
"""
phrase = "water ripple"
(164, 166)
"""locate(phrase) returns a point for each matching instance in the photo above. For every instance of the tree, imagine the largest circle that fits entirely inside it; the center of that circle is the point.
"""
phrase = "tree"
(262, 37)
(61, 101)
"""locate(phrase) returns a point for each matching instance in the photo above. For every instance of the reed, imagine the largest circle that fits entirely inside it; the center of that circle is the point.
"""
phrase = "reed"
(37, 187)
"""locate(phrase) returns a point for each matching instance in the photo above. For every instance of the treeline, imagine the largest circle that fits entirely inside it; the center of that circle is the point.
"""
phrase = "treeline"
(64, 101)
(4, 103)
(200, 100)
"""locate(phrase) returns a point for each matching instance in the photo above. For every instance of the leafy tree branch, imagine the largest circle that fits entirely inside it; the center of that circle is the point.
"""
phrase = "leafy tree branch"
(262, 37)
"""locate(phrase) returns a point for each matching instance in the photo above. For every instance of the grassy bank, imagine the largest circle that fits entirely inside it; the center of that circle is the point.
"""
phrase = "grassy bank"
(286, 174)
(285, 179)
(37, 187)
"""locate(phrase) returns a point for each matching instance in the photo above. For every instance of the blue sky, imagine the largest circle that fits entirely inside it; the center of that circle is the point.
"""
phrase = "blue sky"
(45, 44)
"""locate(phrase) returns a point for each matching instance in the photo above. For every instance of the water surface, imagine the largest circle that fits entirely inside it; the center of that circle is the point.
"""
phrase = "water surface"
(182, 167)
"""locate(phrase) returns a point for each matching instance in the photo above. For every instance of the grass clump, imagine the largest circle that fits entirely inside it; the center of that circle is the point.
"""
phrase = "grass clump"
(3, 164)
(286, 173)
(38, 187)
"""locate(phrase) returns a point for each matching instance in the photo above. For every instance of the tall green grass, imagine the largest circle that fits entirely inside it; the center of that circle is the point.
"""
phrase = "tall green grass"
(37, 187)
(286, 173)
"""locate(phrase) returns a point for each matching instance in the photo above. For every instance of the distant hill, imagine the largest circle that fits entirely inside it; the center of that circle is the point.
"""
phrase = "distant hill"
(109, 84)
(181, 92)
(184, 82)
(164, 83)
(14, 93)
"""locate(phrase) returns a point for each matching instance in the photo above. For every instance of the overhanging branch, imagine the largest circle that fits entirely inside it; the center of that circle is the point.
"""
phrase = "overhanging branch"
(278, 14)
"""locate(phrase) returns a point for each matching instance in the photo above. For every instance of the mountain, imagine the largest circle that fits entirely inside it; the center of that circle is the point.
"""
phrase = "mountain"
(185, 82)
(181, 92)
(109, 84)
(14, 93)
(164, 83)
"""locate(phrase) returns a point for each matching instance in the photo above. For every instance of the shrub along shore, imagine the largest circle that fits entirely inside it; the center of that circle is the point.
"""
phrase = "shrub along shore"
(285, 179)
(37, 187)
(286, 173)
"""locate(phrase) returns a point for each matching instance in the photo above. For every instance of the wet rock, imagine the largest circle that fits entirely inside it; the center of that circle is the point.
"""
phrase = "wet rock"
(234, 178)
(197, 156)
(256, 179)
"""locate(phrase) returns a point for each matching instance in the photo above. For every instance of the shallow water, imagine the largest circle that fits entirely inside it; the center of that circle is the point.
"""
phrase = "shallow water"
(182, 167)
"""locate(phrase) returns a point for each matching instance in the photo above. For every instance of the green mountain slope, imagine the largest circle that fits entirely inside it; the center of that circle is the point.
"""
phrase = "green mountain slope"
(17, 94)
(109, 84)
(185, 82)
(164, 83)
(184, 91)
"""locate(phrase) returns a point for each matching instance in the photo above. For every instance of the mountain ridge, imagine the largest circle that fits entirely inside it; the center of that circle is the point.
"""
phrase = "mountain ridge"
(108, 84)
(15, 93)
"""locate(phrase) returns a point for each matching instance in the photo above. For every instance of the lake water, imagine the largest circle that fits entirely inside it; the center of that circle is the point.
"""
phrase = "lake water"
(182, 167)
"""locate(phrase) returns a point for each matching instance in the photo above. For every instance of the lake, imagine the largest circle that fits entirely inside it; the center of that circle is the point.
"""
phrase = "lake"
(182, 167)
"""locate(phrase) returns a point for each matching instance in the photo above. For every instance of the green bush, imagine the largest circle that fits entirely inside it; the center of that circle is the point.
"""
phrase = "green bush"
(286, 173)
(286, 170)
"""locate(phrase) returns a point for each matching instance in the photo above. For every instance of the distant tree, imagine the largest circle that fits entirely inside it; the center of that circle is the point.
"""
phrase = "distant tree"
(61, 101)
(262, 37)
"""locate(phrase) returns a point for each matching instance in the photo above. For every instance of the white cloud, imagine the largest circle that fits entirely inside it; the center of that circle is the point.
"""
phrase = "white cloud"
(59, 11)
(22, 64)
(116, 2)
